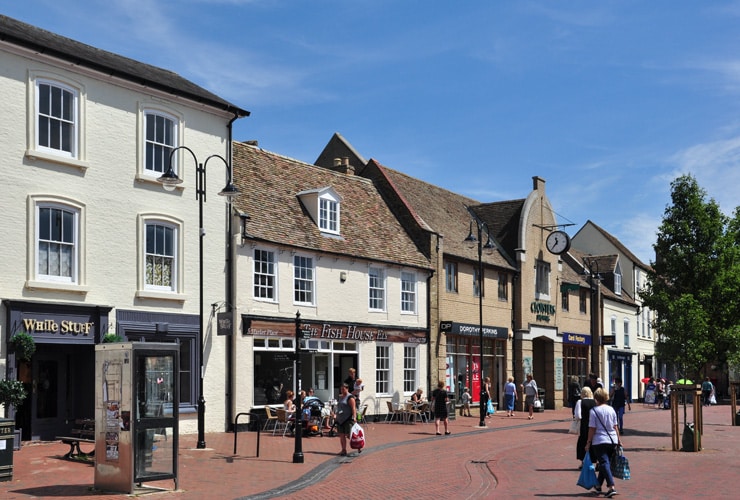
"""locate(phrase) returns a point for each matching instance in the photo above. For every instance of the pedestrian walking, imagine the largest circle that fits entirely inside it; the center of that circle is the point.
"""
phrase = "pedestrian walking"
(574, 393)
(439, 401)
(620, 399)
(707, 388)
(466, 400)
(510, 396)
(582, 412)
(486, 394)
(603, 438)
(529, 389)
(346, 416)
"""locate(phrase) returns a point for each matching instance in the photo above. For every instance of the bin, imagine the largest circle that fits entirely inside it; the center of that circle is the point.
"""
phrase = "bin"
(737, 418)
(687, 441)
(7, 438)
(541, 397)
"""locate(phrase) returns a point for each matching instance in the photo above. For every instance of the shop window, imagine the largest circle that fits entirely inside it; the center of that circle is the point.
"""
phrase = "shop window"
(382, 369)
(410, 358)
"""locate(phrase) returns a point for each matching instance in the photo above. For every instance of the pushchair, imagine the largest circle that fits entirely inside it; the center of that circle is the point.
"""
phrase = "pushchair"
(312, 416)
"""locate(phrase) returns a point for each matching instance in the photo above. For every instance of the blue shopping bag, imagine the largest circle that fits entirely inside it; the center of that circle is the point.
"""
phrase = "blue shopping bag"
(489, 408)
(587, 479)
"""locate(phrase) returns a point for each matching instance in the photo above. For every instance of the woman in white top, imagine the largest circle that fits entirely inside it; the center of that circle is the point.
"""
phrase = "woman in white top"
(603, 438)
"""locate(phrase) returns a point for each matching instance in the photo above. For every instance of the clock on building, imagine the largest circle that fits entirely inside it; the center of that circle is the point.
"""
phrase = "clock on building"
(558, 242)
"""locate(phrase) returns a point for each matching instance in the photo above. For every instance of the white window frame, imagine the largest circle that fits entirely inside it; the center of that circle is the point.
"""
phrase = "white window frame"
(376, 289)
(383, 369)
(74, 120)
(329, 211)
(162, 148)
(626, 332)
(262, 272)
(304, 275)
(44, 282)
(176, 291)
(614, 326)
(173, 231)
(410, 368)
(618, 281)
(74, 257)
(408, 292)
(542, 280)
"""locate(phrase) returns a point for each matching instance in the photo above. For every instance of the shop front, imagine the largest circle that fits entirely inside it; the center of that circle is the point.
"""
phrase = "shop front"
(463, 358)
(576, 347)
(59, 378)
(389, 360)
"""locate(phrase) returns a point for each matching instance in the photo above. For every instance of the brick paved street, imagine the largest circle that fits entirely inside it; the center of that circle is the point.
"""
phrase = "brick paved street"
(511, 458)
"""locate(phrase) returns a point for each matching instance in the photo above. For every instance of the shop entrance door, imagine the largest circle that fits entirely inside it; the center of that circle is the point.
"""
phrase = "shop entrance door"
(316, 375)
(48, 399)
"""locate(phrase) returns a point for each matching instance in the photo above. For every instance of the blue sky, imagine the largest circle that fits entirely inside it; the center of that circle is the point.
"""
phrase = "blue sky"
(608, 101)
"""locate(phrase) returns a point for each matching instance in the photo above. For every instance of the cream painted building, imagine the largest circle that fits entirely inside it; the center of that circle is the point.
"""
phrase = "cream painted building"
(92, 243)
(323, 244)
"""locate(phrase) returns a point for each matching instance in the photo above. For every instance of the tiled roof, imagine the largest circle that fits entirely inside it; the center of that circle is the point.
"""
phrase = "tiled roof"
(443, 212)
(42, 41)
(618, 244)
(503, 219)
(269, 184)
(603, 263)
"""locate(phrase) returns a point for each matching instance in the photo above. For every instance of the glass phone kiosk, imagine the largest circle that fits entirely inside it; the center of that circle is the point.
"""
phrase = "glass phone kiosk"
(136, 415)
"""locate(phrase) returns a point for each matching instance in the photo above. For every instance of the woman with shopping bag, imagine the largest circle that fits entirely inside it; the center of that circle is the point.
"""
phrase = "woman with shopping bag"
(603, 438)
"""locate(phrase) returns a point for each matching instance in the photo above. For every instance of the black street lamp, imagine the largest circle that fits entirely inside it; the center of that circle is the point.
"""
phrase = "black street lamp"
(169, 180)
(591, 271)
(488, 246)
(298, 448)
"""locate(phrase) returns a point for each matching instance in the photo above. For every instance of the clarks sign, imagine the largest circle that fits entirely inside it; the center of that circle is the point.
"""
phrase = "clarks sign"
(331, 331)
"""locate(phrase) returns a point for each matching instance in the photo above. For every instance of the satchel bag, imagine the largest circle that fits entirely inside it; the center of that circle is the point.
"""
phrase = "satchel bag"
(575, 426)
(620, 466)
(587, 479)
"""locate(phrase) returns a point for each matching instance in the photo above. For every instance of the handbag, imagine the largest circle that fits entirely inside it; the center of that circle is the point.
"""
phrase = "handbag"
(587, 479)
(537, 403)
(489, 408)
(575, 426)
(620, 466)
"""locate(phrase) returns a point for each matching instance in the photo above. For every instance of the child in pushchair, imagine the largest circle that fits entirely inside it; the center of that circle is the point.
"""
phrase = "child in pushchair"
(312, 416)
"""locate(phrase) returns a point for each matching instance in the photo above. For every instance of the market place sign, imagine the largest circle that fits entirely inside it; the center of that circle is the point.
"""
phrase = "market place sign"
(331, 331)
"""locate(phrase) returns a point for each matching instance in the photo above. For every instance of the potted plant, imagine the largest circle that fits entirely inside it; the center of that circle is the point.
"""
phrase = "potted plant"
(23, 345)
(12, 392)
(112, 337)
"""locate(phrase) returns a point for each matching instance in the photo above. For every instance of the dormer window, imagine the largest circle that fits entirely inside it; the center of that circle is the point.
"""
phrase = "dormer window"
(328, 215)
(323, 205)
(618, 280)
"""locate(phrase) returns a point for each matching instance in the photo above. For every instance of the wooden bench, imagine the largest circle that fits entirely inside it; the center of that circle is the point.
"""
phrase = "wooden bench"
(83, 431)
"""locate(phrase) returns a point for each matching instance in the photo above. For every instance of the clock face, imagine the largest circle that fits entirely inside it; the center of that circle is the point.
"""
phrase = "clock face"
(558, 242)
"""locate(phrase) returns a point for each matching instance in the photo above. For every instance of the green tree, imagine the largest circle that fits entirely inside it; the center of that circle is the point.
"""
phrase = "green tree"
(694, 283)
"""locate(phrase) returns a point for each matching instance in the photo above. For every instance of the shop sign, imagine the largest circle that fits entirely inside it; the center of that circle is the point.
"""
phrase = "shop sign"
(543, 310)
(54, 328)
(223, 323)
(331, 331)
(576, 338)
(608, 340)
(469, 330)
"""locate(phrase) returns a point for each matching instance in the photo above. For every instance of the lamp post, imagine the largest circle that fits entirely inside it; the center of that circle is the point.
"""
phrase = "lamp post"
(591, 269)
(298, 448)
(488, 246)
(169, 180)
